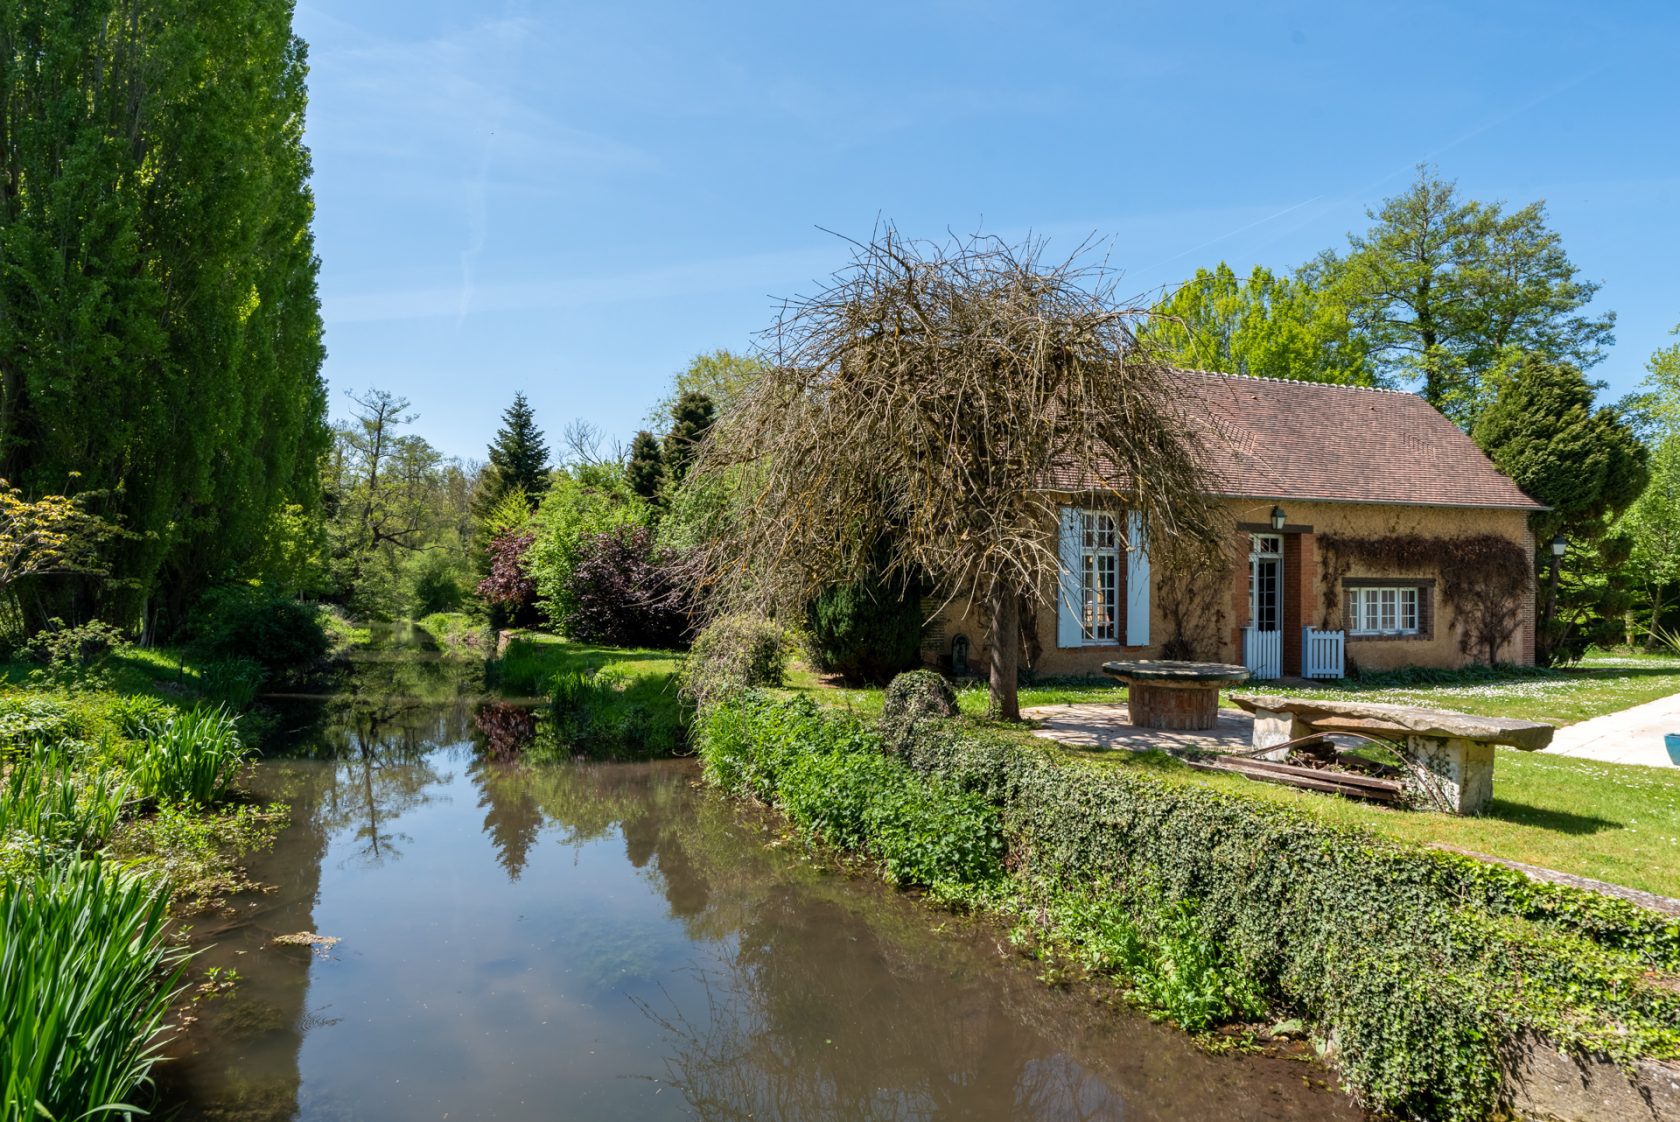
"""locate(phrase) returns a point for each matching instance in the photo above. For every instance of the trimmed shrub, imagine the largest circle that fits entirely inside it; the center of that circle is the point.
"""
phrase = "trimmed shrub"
(734, 653)
(865, 631)
(624, 593)
(912, 698)
(283, 635)
(1421, 966)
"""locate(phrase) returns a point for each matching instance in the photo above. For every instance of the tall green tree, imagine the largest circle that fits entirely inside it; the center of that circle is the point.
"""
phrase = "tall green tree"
(722, 375)
(644, 471)
(160, 331)
(1653, 522)
(1264, 325)
(1541, 428)
(691, 418)
(519, 454)
(1440, 287)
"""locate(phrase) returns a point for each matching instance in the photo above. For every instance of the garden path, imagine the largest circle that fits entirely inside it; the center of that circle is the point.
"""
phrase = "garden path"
(1632, 736)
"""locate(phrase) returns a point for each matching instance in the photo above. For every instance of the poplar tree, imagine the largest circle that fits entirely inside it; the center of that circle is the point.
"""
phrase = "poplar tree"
(160, 331)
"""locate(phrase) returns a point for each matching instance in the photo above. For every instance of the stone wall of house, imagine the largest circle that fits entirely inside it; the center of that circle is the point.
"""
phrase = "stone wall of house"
(1305, 602)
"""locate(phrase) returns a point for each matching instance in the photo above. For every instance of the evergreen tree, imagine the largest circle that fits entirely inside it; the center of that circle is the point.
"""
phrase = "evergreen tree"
(519, 454)
(1541, 429)
(691, 418)
(645, 471)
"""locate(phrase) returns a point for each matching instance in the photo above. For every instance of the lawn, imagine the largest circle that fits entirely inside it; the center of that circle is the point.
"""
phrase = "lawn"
(1602, 683)
(1611, 822)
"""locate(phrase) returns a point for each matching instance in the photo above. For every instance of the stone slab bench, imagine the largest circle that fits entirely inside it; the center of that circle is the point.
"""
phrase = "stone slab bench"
(1450, 755)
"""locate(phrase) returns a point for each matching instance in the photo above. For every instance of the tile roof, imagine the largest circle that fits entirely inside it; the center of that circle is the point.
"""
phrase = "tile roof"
(1276, 439)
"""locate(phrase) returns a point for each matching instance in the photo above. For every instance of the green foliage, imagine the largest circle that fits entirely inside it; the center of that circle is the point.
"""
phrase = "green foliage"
(691, 419)
(616, 711)
(1265, 326)
(75, 655)
(519, 454)
(53, 803)
(732, 653)
(833, 781)
(722, 375)
(1421, 965)
(257, 624)
(196, 851)
(584, 502)
(438, 581)
(865, 631)
(644, 471)
(912, 698)
(86, 977)
(30, 718)
(191, 757)
(1440, 288)
(159, 304)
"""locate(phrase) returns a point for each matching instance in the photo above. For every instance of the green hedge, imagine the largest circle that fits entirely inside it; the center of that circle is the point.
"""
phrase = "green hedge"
(1418, 967)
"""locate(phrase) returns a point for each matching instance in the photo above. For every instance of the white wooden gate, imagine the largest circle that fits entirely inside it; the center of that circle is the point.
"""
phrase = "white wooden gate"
(1322, 653)
(1263, 653)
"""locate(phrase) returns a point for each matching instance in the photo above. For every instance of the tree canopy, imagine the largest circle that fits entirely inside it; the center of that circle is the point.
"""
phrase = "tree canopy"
(1264, 325)
(160, 331)
(1441, 287)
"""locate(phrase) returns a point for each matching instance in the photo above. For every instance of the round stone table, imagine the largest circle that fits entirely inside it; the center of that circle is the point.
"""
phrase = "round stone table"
(1175, 695)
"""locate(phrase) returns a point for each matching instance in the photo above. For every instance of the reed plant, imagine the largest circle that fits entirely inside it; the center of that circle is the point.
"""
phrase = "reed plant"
(86, 977)
(191, 757)
(55, 804)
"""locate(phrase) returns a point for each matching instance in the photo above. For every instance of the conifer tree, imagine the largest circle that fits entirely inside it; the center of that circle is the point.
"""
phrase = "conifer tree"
(645, 471)
(519, 454)
(691, 418)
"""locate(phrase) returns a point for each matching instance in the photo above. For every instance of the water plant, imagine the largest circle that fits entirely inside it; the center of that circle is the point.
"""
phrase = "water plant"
(58, 806)
(86, 976)
(191, 757)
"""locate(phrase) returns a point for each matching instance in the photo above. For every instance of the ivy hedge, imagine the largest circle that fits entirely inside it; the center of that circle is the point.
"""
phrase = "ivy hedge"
(1418, 969)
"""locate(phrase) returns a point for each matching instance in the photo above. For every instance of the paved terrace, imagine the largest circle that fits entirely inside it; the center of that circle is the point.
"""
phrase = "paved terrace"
(1110, 726)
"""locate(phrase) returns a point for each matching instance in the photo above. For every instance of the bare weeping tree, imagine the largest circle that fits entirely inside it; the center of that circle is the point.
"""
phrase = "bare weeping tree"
(933, 405)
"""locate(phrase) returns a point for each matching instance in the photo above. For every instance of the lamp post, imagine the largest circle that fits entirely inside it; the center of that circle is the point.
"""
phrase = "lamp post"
(1278, 519)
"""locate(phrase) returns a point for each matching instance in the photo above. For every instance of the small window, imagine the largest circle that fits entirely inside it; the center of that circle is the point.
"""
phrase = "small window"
(1383, 610)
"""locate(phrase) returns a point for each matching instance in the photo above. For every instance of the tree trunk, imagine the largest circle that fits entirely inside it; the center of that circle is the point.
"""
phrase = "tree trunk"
(1004, 647)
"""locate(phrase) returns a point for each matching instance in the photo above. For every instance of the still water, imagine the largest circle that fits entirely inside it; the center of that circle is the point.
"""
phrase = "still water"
(603, 941)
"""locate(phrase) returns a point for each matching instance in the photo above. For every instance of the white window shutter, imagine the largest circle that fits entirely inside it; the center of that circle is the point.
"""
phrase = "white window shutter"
(1137, 582)
(1069, 633)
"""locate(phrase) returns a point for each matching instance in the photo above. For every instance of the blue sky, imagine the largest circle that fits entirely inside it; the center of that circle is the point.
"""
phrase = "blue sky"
(574, 199)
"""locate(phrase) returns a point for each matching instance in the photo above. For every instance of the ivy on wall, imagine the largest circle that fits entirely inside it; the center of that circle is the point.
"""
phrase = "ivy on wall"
(1484, 578)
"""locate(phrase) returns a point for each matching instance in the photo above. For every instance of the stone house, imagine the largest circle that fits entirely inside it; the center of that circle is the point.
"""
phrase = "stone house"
(1366, 529)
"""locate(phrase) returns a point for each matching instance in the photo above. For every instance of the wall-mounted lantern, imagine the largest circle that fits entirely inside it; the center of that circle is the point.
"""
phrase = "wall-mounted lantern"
(1277, 519)
(1559, 546)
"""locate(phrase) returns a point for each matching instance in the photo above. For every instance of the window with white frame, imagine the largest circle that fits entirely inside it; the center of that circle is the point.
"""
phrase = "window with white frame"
(1099, 570)
(1383, 610)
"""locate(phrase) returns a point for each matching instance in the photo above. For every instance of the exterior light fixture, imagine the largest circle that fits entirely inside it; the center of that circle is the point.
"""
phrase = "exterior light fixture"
(1558, 546)
(1277, 520)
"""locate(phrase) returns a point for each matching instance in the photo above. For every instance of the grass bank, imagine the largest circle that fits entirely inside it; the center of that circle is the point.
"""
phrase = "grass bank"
(1413, 968)
(606, 702)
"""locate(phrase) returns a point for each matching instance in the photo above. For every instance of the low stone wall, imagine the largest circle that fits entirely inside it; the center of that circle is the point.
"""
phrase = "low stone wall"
(1544, 1085)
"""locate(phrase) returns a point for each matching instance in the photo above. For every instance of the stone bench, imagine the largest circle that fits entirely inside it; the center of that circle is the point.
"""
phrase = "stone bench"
(1449, 755)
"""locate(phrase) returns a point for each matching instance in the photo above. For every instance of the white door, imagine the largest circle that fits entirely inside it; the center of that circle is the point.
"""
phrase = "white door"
(1263, 638)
